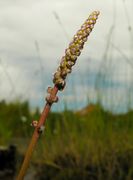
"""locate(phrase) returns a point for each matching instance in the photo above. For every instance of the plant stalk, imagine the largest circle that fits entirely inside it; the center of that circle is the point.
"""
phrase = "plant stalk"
(35, 138)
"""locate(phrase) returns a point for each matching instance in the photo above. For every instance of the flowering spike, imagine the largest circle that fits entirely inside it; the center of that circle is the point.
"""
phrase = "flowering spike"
(71, 54)
(74, 50)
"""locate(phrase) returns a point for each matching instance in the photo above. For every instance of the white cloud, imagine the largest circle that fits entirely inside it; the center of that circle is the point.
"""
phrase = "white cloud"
(25, 21)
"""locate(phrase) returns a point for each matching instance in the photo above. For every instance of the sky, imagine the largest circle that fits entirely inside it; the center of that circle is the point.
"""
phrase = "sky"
(33, 38)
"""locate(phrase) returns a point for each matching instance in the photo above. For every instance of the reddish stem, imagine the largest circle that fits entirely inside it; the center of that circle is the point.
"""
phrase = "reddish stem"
(35, 137)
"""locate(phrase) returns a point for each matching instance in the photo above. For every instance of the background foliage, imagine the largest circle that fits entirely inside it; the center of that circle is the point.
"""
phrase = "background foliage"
(91, 143)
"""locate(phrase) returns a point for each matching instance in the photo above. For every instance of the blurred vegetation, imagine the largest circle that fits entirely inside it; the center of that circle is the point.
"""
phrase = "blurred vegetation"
(88, 144)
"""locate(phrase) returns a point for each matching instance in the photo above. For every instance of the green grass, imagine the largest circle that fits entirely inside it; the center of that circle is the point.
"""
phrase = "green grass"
(96, 145)
(98, 140)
